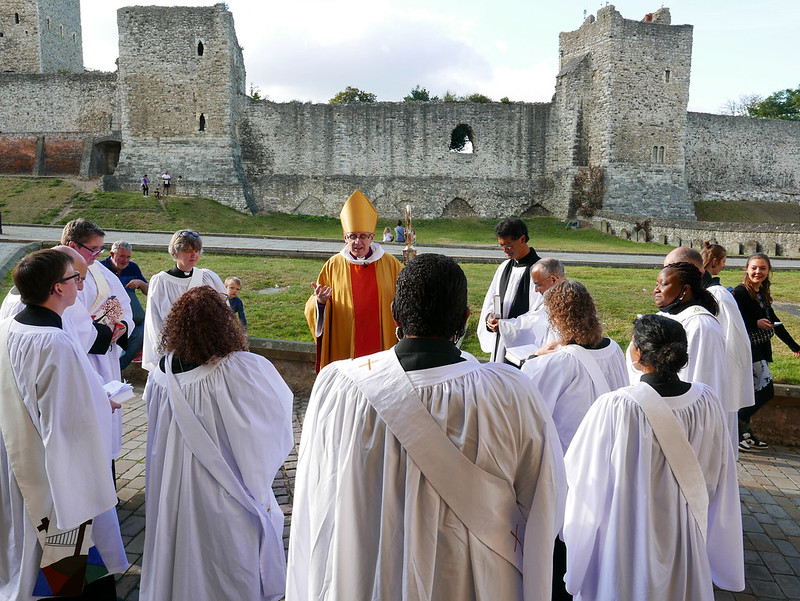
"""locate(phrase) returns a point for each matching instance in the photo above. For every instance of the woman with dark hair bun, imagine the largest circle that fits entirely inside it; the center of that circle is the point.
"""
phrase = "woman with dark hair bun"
(755, 304)
(653, 500)
(679, 295)
(219, 428)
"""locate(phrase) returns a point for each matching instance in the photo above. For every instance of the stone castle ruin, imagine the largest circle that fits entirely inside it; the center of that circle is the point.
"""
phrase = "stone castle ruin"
(178, 102)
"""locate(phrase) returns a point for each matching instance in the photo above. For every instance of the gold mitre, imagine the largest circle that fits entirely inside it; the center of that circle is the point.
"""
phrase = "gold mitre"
(358, 214)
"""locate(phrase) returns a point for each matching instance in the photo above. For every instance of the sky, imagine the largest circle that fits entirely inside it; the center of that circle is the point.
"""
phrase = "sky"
(308, 50)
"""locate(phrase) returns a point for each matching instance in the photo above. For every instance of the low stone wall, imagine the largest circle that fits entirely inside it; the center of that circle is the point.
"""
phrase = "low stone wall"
(737, 238)
(777, 423)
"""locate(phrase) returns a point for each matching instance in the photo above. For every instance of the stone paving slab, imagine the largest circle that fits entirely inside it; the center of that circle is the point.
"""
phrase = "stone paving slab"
(769, 486)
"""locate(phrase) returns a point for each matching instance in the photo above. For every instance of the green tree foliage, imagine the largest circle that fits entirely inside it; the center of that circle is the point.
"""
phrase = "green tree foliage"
(780, 105)
(420, 94)
(505, 100)
(476, 97)
(351, 95)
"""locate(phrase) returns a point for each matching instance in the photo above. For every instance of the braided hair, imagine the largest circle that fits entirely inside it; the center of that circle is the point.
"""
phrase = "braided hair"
(690, 275)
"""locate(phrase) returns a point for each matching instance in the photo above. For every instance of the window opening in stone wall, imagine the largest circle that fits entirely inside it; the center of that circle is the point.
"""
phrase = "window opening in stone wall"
(48, 23)
(74, 37)
(1, 34)
(62, 31)
(16, 18)
(660, 154)
(202, 122)
(200, 49)
(655, 154)
(667, 75)
(462, 139)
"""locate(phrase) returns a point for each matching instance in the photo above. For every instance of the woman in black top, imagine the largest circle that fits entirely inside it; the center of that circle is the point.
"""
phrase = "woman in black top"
(755, 304)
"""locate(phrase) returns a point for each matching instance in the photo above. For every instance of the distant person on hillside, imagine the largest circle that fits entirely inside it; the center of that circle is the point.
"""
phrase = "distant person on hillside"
(387, 234)
(145, 186)
(399, 232)
(166, 179)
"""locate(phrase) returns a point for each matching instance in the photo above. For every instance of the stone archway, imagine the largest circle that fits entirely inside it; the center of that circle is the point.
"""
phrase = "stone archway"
(458, 207)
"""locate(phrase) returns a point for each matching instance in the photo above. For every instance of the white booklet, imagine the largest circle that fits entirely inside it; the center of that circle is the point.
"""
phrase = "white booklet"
(517, 355)
(119, 391)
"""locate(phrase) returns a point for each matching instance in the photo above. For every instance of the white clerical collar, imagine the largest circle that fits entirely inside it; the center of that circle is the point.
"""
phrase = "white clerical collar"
(377, 253)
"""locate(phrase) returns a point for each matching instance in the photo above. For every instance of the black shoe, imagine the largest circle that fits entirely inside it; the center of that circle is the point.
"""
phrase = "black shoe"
(755, 443)
(744, 445)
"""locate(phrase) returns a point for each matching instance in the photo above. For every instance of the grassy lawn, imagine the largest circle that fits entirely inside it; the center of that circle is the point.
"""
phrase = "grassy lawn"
(619, 293)
(746, 211)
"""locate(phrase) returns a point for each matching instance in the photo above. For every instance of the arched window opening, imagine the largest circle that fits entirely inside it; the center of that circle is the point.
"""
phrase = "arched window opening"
(16, 18)
(48, 23)
(661, 154)
(462, 139)
(667, 75)
(655, 154)
(200, 48)
(202, 122)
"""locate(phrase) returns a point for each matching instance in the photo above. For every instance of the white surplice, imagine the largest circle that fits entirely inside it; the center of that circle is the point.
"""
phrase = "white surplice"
(367, 524)
(568, 389)
(66, 402)
(107, 364)
(164, 290)
(628, 529)
(200, 543)
(516, 331)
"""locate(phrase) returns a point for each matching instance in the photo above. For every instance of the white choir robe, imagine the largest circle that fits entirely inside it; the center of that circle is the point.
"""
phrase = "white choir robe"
(706, 346)
(532, 327)
(515, 333)
(366, 524)
(68, 407)
(200, 543)
(628, 529)
(740, 359)
(568, 389)
(164, 290)
(107, 364)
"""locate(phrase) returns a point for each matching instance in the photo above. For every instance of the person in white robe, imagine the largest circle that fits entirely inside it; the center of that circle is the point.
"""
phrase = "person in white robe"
(629, 529)
(680, 296)
(219, 429)
(100, 285)
(533, 329)
(69, 473)
(166, 286)
(511, 285)
(580, 365)
(422, 475)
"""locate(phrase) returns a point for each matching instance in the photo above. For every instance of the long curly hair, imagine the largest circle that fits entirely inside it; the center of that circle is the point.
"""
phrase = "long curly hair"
(201, 328)
(688, 273)
(573, 313)
(748, 283)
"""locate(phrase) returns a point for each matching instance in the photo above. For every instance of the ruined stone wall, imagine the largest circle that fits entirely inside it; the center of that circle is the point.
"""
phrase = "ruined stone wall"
(308, 158)
(740, 158)
(181, 76)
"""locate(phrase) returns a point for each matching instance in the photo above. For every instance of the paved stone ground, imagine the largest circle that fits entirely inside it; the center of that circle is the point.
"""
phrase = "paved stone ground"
(769, 485)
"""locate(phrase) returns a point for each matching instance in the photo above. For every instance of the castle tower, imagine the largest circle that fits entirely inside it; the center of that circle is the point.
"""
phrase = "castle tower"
(40, 36)
(181, 85)
(621, 99)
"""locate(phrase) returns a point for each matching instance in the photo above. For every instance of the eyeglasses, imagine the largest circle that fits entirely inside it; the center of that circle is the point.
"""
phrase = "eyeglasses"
(362, 237)
(189, 234)
(75, 276)
(93, 252)
(509, 245)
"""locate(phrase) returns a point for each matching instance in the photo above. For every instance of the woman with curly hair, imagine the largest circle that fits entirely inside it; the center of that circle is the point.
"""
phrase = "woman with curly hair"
(580, 365)
(219, 429)
(652, 506)
(755, 304)
(185, 247)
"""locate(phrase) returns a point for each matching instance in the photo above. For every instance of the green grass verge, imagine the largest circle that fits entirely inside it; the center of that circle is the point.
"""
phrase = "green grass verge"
(619, 293)
(745, 211)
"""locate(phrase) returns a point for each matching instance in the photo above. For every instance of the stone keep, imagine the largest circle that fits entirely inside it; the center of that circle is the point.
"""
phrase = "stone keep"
(40, 36)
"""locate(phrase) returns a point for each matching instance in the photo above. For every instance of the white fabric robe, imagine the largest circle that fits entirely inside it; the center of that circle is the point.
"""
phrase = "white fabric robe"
(568, 389)
(201, 544)
(706, 345)
(107, 364)
(163, 291)
(517, 331)
(66, 402)
(628, 529)
(366, 524)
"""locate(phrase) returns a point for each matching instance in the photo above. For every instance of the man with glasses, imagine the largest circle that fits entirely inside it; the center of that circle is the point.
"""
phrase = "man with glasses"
(55, 422)
(106, 301)
(511, 289)
(350, 312)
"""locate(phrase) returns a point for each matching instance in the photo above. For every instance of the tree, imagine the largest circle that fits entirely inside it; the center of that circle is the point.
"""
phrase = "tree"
(780, 105)
(351, 95)
(419, 94)
(477, 97)
(741, 107)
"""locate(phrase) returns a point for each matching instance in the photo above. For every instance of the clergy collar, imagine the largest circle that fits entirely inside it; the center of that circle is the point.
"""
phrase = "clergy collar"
(375, 252)
(425, 353)
(666, 386)
(527, 260)
(604, 342)
(178, 273)
(178, 366)
(36, 315)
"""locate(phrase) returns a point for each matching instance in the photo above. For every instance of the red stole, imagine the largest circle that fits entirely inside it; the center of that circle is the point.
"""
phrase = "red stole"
(366, 316)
